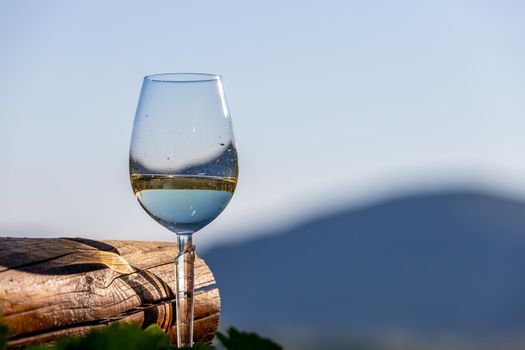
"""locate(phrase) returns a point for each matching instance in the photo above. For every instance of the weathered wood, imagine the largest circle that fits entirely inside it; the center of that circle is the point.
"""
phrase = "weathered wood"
(52, 288)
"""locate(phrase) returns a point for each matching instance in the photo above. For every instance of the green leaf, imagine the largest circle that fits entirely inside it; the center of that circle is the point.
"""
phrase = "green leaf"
(117, 336)
(236, 340)
(3, 335)
(126, 336)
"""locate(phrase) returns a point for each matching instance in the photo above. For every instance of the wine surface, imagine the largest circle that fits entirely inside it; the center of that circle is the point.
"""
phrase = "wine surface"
(183, 204)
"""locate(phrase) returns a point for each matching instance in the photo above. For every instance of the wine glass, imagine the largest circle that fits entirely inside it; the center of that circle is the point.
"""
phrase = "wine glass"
(183, 166)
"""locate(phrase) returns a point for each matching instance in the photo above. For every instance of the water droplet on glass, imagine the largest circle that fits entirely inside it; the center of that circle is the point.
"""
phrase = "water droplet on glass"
(147, 115)
(168, 158)
(193, 212)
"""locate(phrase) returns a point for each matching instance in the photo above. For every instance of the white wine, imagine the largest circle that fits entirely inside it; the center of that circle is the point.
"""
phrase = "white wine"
(182, 203)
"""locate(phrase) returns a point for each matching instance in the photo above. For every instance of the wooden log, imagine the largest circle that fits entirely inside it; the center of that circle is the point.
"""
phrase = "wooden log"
(52, 288)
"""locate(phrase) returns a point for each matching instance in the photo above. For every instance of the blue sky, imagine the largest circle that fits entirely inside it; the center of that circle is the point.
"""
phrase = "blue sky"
(333, 102)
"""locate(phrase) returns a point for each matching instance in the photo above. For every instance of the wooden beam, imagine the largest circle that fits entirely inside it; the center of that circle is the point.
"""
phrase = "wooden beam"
(52, 288)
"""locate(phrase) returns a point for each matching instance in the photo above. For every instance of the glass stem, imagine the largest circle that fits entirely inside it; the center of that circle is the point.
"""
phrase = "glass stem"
(185, 280)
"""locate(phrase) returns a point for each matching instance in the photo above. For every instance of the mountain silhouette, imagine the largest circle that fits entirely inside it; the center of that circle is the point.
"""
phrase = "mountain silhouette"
(435, 263)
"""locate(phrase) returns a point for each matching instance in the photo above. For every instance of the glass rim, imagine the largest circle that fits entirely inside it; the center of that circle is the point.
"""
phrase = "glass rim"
(182, 77)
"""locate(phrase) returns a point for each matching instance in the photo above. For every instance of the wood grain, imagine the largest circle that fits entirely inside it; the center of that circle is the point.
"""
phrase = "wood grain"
(52, 288)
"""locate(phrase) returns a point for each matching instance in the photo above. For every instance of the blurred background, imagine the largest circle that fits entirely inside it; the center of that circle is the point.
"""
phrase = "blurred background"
(381, 199)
